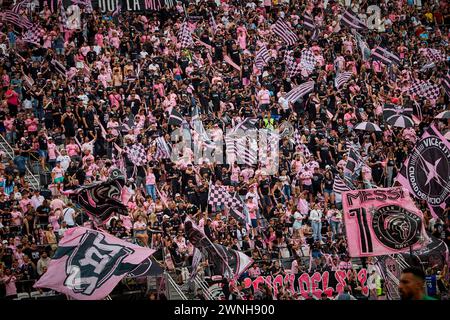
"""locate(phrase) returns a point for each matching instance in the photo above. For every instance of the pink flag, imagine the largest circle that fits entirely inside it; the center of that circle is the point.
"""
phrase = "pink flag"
(382, 221)
(89, 263)
(228, 60)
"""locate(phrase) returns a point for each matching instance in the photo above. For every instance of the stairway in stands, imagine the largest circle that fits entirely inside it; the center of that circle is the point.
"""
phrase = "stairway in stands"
(8, 150)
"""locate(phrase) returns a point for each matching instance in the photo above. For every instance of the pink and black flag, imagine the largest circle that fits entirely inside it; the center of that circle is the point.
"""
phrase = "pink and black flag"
(352, 21)
(446, 84)
(427, 170)
(90, 263)
(382, 221)
(226, 262)
(282, 29)
(385, 56)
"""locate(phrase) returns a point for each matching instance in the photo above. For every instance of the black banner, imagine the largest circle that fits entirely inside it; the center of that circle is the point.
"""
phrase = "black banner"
(104, 6)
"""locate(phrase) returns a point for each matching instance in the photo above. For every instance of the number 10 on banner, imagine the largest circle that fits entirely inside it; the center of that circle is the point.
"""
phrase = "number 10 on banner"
(364, 230)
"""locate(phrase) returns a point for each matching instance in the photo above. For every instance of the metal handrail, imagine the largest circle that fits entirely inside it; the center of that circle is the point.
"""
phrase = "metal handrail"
(12, 155)
(202, 284)
(175, 286)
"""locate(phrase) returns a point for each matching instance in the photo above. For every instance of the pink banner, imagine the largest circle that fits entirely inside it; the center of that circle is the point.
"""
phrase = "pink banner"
(382, 221)
(89, 263)
(426, 171)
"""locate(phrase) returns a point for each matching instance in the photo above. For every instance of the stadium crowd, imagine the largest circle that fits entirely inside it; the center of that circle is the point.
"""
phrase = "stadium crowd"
(126, 73)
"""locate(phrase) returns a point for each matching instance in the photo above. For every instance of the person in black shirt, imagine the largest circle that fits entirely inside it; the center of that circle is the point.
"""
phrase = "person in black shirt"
(317, 179)
(43, 212)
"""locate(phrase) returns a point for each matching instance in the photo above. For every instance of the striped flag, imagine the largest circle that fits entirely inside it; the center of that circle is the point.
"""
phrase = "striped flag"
(18, 6)
(268, 147)
(282, 29)
(342, 78)
(16, 19)
(243, 149)
(308, 22)
(162, 149)
(185, 36)
(262, 57)
(385, 56)
(446, 84)
(247, 124)
(300, 91)
(58, 67)
(175, 118)
(339, 185)
(353, 166)
(352, 21)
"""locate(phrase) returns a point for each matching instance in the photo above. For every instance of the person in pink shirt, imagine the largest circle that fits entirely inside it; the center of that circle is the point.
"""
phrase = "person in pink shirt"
(252, 210)
(24, 203)
(242, 40)
(263, 98)
(52, 152)
(349, 118)
(150, 183)
(73, 150)
(235, 171)
(115, 40)
(99, 39)
(9, 126)
(9, 281)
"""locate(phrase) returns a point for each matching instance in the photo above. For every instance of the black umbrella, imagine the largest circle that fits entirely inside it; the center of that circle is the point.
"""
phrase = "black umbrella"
(398, 116)
(367, 126)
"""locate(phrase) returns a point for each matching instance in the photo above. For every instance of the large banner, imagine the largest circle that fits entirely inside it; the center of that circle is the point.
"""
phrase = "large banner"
(89, 263)
(104, 6)
(382, 221)
(302, 284)
(427, 170)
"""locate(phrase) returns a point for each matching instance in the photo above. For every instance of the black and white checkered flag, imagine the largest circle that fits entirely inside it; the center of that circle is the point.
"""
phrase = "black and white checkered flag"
(434, 55)
(136, 154)
(33, 35)
(292, 67)
(262, 57)
(308, 60)
(185, 36)
(218, 196)
(342, 78)
(282, 29)
(425, 89)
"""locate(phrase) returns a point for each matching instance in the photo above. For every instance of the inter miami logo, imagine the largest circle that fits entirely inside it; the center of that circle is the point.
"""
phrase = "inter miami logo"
(396, 227)
(428, 170)
(93, 262)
